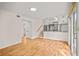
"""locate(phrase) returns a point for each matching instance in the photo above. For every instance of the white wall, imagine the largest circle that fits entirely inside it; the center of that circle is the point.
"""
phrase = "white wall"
(11, 28)
(56, 36)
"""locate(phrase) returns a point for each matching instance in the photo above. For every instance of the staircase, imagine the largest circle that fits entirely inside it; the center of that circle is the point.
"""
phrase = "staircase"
(40, 31)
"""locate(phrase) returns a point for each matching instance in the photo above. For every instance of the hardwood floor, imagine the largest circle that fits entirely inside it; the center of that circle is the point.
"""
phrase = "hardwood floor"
(37, 47)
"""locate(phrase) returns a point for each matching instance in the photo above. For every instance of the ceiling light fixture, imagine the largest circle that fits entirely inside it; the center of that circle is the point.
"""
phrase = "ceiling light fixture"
(33, 9)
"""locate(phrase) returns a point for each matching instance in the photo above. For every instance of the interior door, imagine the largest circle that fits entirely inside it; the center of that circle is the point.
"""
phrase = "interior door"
(27, 28)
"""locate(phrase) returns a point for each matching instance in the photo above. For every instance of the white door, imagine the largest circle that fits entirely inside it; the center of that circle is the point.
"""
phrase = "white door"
(27, 28)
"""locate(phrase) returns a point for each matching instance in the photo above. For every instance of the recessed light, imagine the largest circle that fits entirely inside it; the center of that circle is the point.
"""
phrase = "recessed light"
(33, 9)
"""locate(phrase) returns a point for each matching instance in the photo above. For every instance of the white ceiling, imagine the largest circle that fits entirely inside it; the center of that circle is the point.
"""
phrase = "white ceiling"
(44, 9)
